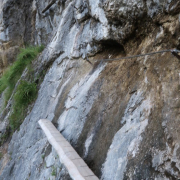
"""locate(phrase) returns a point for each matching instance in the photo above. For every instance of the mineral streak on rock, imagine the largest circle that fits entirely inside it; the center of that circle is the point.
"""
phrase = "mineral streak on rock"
(121, 117)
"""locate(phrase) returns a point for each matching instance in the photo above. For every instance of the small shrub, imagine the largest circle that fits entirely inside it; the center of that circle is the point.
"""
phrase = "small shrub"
(25, 94)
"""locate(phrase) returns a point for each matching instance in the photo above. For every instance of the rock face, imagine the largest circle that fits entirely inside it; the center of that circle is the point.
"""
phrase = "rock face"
(15, 28)
(123, 116)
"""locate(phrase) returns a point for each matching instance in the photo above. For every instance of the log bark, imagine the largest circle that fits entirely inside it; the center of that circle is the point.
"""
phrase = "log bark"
(176, 55)
(48, 6)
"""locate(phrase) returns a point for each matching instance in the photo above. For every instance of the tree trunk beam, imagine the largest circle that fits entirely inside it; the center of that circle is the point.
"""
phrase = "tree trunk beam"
(48, 6)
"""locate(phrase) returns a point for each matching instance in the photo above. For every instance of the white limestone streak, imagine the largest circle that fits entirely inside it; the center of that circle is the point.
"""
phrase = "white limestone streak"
(126, 141)
(97, 12)
(78, 105)
(88, 143)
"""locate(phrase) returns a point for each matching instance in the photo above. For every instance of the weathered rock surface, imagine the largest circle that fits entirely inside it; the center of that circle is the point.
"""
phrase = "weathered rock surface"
(121, 117)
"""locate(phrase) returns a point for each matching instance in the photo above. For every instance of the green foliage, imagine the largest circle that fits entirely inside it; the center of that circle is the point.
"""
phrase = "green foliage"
(4, 137)
(25, 94)
(53, 173)
(43, 156)
(1, 155)
(7, 95)
(26, 91)
(14, 72)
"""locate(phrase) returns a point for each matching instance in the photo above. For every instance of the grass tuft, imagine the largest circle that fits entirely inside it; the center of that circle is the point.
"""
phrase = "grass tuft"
(25, 94)
(54, 171)
(1, 155)
(14, 72)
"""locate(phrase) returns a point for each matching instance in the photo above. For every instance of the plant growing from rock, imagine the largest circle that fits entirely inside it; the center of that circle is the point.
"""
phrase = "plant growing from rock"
(25, 94)
(14, 72)
(1, 155)
(25, 91)
(54, 171)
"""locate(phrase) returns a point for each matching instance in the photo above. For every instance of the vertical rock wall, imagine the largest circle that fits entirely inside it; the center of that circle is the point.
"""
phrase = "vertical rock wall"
(121, 117)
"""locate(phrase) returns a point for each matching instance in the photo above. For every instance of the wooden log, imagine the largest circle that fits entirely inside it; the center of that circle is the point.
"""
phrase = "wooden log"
(175, 54)
(48, 6)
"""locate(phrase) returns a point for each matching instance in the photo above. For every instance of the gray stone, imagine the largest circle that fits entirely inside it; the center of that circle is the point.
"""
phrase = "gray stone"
(121, 117)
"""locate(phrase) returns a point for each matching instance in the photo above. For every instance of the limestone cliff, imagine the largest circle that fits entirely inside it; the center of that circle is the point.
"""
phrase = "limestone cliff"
(122, 117)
